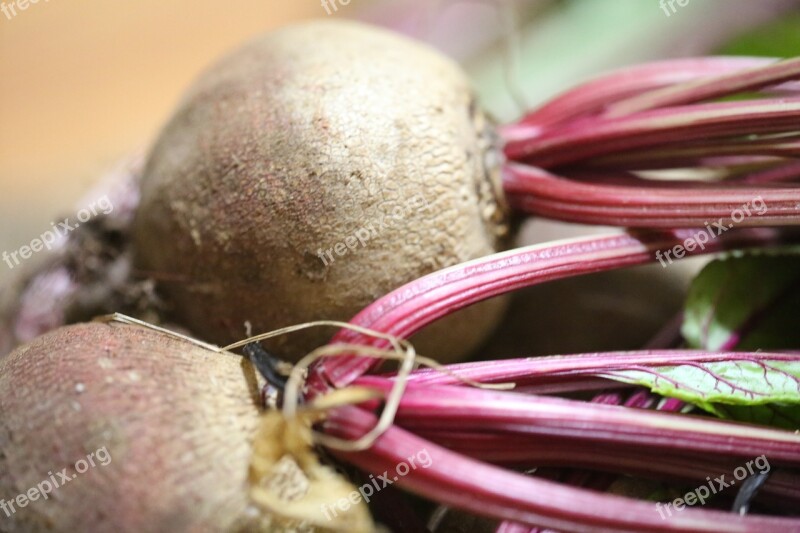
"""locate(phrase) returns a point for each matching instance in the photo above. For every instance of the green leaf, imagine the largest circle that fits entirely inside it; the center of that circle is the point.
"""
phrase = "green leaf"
(747, 303)
(779, 38)
(729, 388)
(782, 416)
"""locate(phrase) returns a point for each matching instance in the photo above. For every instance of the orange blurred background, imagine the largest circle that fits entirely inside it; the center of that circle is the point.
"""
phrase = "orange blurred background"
(84, 83)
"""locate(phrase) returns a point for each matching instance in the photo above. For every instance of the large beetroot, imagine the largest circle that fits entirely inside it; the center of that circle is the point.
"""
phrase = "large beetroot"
(309, 173)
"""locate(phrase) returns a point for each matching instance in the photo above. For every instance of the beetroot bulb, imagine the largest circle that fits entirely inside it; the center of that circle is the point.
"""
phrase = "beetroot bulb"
(313, 170)
(169, 424)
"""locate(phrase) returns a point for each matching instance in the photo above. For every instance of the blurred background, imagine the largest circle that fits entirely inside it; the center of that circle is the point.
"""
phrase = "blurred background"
(83, 84)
